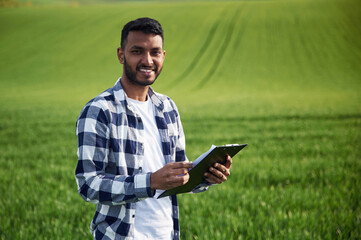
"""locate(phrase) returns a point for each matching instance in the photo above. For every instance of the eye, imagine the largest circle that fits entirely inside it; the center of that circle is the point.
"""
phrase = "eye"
(156, 53)
(135, 51)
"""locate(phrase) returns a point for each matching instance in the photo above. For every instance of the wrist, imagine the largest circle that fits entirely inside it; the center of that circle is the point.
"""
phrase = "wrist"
(153, 185)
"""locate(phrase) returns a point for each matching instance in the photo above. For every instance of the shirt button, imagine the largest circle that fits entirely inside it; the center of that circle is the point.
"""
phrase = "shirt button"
(133, 216)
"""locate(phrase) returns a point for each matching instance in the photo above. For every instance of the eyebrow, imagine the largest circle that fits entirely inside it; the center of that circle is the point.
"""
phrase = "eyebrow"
(141, 48)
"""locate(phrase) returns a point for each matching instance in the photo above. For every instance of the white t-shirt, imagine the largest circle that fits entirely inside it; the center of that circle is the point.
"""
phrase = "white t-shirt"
(153, 217)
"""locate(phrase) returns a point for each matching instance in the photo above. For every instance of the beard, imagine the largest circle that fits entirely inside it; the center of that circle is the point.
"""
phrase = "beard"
(132, 75)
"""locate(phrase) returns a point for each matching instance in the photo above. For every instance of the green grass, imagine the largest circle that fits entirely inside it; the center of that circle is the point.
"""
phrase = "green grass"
(283, 76)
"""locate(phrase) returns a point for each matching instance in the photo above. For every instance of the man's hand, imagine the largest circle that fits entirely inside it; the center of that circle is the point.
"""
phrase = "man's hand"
(219, 172)
(170, 176)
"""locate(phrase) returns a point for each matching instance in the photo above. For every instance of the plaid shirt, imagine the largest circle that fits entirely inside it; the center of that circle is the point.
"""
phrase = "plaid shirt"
(111, 154)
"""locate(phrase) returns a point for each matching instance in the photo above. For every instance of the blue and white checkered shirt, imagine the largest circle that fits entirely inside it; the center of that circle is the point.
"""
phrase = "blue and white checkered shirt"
(111, 154)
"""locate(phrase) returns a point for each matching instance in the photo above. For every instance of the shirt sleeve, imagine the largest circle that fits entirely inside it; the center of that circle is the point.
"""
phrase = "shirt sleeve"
(94, 183)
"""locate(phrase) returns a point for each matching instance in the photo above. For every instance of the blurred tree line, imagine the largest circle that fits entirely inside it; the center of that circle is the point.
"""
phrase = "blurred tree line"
(8, 3)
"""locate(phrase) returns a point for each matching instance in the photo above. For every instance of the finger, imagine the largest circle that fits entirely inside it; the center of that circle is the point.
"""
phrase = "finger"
(179, 171)
(185, 178)
(217, 174)
(222, 168)
(212, 179)
(181, 164)
(228, 163)
(180, 180)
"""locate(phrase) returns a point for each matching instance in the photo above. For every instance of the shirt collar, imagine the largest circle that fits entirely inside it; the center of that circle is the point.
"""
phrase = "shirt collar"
(121, 96)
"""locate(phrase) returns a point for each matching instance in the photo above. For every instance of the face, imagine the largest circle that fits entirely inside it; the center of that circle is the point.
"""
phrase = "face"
(142, 58)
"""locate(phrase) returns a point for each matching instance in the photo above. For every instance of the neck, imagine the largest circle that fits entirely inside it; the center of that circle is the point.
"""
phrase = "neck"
(134, 91)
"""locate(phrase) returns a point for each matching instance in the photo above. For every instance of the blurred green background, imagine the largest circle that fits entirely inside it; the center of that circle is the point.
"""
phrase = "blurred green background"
(283, 76)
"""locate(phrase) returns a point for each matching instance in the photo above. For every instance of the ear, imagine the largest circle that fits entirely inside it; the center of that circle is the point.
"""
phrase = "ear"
(120, 54)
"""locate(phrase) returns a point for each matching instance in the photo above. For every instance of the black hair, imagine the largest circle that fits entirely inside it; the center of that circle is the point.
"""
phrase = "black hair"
(145, 25)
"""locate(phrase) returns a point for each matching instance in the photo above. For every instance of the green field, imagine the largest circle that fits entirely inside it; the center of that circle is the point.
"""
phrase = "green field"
(282, 76)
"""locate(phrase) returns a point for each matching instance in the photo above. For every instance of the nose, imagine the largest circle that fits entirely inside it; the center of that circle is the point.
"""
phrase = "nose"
(147, 59)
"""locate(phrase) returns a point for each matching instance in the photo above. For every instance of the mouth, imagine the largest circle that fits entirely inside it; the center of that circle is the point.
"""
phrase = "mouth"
(146, 69)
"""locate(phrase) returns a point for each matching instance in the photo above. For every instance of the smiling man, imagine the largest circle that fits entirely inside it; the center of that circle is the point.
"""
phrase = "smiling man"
(145, 56)
(131, 145)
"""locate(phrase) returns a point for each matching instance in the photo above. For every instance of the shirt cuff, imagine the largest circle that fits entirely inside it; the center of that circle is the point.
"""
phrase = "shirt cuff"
(142, 186)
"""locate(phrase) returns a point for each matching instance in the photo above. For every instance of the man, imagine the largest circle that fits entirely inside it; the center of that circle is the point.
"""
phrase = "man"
(131, 145)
